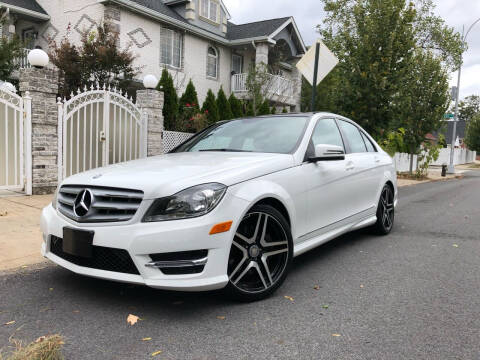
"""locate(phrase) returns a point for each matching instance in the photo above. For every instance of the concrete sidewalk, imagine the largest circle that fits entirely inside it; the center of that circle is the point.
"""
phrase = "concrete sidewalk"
(20, 236)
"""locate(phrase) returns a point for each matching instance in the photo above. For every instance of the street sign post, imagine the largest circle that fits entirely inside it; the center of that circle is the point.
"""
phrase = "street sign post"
(316, 64)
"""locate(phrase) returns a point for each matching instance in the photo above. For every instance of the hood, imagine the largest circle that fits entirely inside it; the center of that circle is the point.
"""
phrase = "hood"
(167, 174)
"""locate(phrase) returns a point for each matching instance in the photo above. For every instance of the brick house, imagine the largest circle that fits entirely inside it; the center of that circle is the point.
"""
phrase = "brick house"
(194, 39)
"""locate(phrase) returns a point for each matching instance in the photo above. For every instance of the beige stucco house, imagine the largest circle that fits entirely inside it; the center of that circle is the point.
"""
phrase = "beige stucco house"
(194, 39)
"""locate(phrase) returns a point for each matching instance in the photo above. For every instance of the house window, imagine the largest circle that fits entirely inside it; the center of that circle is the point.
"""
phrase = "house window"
(237, 64)
(209, 10)
(170, 47)
(212, 62)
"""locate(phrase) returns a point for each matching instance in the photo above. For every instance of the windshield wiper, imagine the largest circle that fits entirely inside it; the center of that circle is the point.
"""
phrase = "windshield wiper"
(225, 150)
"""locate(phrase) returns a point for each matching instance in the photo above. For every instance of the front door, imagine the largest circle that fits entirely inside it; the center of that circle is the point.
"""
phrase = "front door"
(328, 181)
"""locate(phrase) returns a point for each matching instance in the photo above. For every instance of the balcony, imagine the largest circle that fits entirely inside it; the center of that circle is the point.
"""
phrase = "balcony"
(22, 60)
(277, 88)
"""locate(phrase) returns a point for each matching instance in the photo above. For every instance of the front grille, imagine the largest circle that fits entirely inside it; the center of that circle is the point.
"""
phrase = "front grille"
(107, 205)
(103, 258)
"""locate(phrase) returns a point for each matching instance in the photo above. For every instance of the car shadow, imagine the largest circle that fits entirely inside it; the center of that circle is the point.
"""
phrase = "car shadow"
(110, 295)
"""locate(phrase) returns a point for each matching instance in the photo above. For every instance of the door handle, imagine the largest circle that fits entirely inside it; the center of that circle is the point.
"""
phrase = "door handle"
(350, 166)
(377, 160)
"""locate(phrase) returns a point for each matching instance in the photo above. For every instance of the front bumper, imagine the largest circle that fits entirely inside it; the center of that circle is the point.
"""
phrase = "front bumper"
(142, 239)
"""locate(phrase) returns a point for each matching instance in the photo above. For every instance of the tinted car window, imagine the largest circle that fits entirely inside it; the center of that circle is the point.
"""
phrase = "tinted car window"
(354, 138)
(326, 132)
(370, 147)
(279, 134)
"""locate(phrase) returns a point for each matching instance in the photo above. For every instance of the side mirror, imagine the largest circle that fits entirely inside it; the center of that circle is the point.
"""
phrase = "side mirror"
(325, 152)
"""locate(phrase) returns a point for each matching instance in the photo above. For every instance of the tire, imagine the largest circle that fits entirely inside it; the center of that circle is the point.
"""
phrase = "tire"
(385, 212)
(257, 266)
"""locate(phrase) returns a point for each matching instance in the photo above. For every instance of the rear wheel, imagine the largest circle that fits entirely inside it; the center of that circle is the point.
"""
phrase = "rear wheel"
(261, 254)
(385, 211)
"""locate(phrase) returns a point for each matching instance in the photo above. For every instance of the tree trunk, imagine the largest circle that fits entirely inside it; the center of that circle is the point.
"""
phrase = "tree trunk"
(411, 161)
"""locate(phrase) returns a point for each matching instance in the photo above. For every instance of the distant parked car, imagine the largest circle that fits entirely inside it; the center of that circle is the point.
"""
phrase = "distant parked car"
(229, 208)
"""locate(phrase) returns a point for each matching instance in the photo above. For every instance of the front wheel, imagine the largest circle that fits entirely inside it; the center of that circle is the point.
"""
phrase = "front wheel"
(385, 211)
(261, 254)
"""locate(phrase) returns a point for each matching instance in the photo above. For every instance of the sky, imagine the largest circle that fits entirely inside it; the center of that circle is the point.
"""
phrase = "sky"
(309, 13)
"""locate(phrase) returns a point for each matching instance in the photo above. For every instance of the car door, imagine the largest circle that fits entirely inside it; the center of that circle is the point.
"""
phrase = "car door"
(326, 180)
(360, 165)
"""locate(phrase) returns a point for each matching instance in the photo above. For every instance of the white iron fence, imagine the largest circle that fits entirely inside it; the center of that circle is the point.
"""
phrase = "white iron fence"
(15, 142)
(98, 127)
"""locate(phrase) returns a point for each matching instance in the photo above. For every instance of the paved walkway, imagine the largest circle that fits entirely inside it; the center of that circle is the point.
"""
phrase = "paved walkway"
(20, 236)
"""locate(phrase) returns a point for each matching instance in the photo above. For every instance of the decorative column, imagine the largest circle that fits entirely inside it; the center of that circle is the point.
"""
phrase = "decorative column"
(150, 102)
(261, 54)
(42, 87)
(297, 89)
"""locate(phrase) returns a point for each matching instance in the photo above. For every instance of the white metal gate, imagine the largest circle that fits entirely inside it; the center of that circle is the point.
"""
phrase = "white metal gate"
(12, 144)
(99, 127)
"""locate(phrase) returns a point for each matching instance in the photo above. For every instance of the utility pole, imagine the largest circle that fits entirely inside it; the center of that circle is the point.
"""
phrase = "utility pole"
(315, 74)
(451, 167)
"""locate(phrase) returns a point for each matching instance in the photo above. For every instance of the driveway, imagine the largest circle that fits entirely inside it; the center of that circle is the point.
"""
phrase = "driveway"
(412, 295)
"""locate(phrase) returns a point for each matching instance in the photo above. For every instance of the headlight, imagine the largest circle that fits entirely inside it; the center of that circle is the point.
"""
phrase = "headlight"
(55, 196)
(189, 203)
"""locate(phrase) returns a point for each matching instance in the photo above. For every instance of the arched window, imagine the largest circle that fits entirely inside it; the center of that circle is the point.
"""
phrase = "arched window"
(212, 62)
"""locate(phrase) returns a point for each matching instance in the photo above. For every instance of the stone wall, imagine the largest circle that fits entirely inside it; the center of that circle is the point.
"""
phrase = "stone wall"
(42, 84)
(150, 103)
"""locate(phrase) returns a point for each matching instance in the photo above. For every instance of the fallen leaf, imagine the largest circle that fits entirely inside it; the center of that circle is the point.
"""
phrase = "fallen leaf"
(10, 322)
(3, 213)
(147, 339)
(221, 317)
(455, 245)
(40, 339)
(361, 285)
(51, 289)
(177, 303)
(317, 287)
(336, 335)
(132, 319)
(157, 353)
(289, 298)
(325, 306)
(24, 266)
(76, 311)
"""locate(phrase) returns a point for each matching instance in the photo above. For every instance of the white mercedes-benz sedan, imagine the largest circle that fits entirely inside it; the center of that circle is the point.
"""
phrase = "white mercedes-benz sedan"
(228, 209)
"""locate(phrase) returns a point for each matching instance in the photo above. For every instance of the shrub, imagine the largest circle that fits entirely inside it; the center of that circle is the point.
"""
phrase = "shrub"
(224, 108)
(249, 111)
(472, 137)
(274, 110)
(10, 50)
(264, 108)
(210, 108)
(189, 99)
(284, 110)
(170, 104)
(236, 106)
(98, 59)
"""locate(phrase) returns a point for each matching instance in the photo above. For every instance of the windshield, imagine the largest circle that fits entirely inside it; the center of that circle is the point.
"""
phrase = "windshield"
(279, 134)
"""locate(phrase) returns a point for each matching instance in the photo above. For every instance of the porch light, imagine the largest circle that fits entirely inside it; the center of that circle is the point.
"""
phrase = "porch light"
(150, 81)
(8, 86)
(38, 58)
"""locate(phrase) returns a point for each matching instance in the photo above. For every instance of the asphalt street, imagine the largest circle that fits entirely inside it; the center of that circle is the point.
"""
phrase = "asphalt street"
(412, 295)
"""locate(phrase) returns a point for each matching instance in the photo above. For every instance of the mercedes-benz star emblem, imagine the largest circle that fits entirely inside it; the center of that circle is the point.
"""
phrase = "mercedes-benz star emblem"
(82, 203)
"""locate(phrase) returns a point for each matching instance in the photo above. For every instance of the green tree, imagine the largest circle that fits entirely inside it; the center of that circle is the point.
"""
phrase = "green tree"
(10, 50)
(223, 105)
(97, 60)
(250, 109)
(468, 108)
(377, 43)
(170, 104)
(236, 106)
(472, 137)
(189, 99)
(264, 108)
(257, 84)
(425, 100)
(210, 108)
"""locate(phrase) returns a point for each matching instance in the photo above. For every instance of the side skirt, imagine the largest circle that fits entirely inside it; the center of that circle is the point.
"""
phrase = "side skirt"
(321, 236)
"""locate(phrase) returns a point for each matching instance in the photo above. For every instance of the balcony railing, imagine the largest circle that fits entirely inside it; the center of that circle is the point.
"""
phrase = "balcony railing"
(276, 85)
(22, 60)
